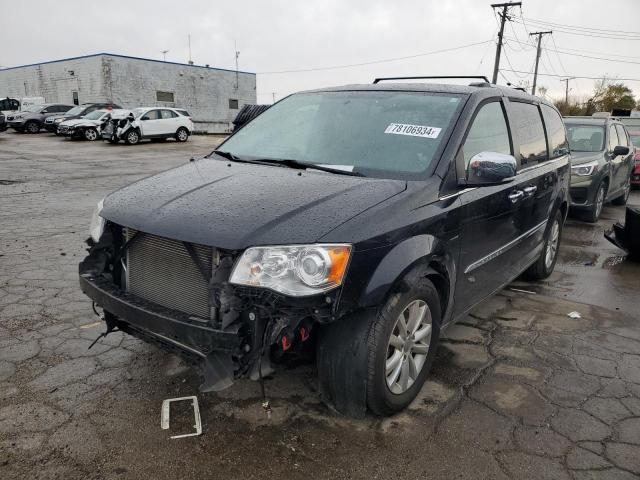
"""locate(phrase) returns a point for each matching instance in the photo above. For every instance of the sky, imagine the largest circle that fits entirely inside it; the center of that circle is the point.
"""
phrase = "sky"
(360, 36)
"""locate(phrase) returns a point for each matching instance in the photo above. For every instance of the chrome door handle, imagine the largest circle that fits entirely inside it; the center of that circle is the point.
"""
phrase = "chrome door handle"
(530, 190)
(515, 196)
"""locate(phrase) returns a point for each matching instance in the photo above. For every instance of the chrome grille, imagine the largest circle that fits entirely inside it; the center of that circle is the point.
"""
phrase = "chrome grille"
(161, 270)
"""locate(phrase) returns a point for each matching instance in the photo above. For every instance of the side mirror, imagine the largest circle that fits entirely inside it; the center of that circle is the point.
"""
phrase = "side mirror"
(491, 168)
(620, 150)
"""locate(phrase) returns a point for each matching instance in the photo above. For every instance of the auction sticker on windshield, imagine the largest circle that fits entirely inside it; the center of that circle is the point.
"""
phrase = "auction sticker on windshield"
(413, 130)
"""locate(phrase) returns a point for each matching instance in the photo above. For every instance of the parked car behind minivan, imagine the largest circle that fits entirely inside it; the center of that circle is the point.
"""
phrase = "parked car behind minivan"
(32, 118)
(79, 111)
(369, 218)
(602, 161)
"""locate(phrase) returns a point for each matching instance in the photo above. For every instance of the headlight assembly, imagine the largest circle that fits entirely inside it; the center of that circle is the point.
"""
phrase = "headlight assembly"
(585, 169)
(97, 222)
(296, 270)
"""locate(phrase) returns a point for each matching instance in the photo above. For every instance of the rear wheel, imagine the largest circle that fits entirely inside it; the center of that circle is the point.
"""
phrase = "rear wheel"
(182, 135)
(132, 137)
(547, 261)
(32, 127)
(90, 134)
(622, 199)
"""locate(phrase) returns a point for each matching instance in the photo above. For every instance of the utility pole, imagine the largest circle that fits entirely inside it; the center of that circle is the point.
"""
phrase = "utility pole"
(190, 60)
(538, 51)
(273, 97)
(164, 55)
(503, 18)
(237, 55)
(566, 89)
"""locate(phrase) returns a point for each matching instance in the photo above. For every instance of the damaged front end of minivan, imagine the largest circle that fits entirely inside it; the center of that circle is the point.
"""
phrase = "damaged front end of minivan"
(178, 295)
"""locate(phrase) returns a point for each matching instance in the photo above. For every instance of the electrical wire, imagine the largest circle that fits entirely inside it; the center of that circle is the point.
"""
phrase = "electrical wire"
(578, 76)
(373, 62)
(577, 27)
(583, 33)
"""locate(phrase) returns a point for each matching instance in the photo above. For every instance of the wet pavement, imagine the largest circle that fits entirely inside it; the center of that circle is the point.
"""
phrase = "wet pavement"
(518, 390)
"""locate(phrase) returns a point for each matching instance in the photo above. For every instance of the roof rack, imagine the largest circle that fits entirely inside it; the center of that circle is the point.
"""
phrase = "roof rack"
(446, 77)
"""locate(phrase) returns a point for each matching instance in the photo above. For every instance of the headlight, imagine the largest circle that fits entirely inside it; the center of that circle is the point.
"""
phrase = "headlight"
(97, 222)
(585, 169)
(296, 270)
(58, 120)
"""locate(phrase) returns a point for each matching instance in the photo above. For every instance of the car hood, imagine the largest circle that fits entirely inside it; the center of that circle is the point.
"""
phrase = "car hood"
(233, 205)
(79, 121)
(578, 158)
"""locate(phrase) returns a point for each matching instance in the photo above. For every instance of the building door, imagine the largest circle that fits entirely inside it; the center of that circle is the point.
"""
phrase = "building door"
(76, 100)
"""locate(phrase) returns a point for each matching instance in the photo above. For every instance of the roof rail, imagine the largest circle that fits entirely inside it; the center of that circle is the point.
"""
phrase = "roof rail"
(445, 77)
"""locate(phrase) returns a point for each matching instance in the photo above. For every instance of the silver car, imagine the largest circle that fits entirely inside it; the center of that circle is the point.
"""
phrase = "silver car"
(32, 118)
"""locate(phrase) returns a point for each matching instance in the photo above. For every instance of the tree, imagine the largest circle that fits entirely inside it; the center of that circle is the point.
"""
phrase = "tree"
(607, 96)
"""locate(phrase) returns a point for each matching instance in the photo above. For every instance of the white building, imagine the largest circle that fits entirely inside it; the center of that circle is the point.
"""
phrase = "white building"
(212, 96)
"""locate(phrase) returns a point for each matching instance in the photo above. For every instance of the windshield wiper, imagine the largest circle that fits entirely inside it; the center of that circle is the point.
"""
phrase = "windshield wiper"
(287, 162)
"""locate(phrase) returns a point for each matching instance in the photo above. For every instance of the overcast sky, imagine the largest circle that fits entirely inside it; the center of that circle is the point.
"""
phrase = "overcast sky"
(277, 35)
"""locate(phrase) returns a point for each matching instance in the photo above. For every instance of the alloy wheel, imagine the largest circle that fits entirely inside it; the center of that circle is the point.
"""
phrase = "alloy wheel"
(599, 201)
(182, 135)
(552, 245)
(90, 134)
(408, 346)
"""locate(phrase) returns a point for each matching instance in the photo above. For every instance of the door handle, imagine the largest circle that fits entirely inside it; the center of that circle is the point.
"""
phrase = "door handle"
(516, 195)
(530, 190)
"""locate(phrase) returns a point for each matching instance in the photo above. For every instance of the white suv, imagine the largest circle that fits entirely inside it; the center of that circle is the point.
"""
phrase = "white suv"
(159, 123)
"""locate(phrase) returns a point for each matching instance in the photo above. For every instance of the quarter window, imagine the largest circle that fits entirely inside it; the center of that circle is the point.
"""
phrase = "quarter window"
(556, 132)
(613, 138)
(622, 136)
(166, 114)
(527, 126)
(488, 133)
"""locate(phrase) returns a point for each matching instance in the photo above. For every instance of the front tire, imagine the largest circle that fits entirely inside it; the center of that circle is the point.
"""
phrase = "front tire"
(182, 135)
(90, 134)
(132, 137)
(401, 345)
(32, 127)
(593, 214)
(547, 261)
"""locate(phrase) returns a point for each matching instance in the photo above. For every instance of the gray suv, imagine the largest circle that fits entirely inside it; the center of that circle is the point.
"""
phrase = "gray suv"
(32, 118)
(602, 160)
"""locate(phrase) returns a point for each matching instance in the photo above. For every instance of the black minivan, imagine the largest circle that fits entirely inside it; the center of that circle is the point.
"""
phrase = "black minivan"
(363, 220)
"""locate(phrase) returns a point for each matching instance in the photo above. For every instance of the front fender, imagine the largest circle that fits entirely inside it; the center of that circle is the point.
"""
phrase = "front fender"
(424, 252)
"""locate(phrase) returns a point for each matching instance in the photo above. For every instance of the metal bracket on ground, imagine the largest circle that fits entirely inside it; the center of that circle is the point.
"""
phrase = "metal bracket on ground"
(166, 406)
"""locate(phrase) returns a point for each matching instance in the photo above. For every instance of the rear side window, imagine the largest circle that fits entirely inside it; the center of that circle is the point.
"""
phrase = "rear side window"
(622, 136)
(526, 125)
(556, 132)
(166, 114)
(613, 138)
(488, 133)
(63, 108)
(184, 113)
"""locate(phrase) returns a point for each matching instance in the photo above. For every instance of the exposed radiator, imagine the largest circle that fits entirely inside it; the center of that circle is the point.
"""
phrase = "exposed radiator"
(161, 271)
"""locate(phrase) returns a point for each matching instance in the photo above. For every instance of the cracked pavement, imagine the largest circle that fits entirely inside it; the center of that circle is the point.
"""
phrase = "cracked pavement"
(518, 390)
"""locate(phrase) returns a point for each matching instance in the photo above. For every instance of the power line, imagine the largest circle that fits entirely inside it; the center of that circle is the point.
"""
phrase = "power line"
(394, 59)
(577, 76)
(558, 56)
(582, 33)
(577, 27)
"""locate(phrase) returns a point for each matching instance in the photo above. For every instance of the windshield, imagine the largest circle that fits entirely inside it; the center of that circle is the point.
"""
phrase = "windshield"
(33, 108)
(74, 111)
(138, 111)
(96, 114)
(585, 138)
(376, 133)
(635, 139)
